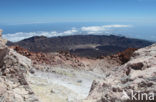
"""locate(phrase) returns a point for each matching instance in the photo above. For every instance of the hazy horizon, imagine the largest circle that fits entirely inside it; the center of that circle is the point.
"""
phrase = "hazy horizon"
(132, 30)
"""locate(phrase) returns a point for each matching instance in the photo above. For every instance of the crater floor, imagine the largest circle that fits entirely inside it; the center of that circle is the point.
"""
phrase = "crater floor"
(63, 85)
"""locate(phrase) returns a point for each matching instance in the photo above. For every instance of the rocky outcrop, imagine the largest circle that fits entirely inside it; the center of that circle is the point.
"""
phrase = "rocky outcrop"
(2, 41)
(13, 71)
(133, 81)
(125, 56)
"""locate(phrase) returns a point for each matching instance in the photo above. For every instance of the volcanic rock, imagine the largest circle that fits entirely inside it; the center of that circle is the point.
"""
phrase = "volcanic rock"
(142, 69)
(13, 71)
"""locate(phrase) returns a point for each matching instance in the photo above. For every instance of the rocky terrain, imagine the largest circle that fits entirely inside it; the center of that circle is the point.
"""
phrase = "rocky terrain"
(31, 77)
(133, 81)
(27, 76)
(13, 70)
(67, 60)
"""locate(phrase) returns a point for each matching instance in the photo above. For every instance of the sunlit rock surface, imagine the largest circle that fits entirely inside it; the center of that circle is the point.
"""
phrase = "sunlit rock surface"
(137, 75)
(13, 72)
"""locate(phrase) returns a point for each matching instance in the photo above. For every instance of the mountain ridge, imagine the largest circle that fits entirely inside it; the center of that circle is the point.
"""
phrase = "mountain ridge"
(82, 45)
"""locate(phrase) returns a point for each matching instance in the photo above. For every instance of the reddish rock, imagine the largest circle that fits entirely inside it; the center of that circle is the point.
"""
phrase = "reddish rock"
(36, 57)
(126, 55)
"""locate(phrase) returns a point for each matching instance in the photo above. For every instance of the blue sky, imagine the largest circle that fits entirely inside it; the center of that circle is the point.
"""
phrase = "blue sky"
(48, 11)
(21, 19)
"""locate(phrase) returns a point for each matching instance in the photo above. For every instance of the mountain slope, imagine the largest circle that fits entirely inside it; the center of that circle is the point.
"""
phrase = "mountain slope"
(82, 45)
(67, 78)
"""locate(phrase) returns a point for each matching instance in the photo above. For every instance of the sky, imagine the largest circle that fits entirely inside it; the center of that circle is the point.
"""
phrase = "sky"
(22, 19)
(48, 11)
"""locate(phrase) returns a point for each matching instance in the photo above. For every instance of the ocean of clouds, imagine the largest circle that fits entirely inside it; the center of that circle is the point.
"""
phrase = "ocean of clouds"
(83, 30)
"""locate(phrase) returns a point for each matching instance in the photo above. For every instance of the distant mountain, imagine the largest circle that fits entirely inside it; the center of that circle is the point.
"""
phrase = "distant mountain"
(82, 45)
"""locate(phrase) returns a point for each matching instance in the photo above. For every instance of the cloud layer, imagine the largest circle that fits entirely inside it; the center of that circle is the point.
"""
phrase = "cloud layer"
(83, 30)
(101, 29)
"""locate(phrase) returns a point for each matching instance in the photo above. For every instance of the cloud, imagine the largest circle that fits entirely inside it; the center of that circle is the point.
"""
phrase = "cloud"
(101, 29)
(23, 35)
(72, 31)
(83, 30)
